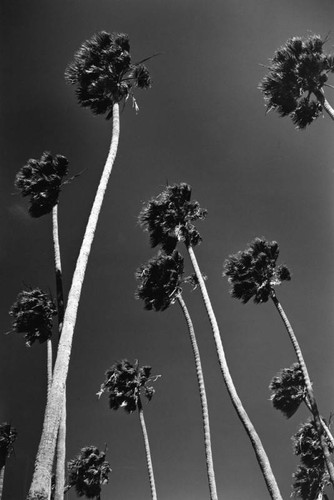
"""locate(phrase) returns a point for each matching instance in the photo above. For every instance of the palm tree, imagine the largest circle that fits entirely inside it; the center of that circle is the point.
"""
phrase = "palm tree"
(309, 483)
(253, 273)
(7, 437)
(169, 219)
(160, 282)
(88, 472)
(125, 383)
(297, 76)
(104, 76)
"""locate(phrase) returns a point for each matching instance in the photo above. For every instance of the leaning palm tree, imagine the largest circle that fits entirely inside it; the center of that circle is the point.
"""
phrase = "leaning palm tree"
(294, 85)
(160, 285)
(169, 219)
(253, 273)
(88, 472)
(125, 383)
(104, 76)
(7, 437)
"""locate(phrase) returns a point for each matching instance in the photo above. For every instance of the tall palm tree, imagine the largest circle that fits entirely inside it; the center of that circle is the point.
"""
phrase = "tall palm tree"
(88, 472)
(160, 285)
(125, 383)
(294, 85)
(104, 76)
(169, 219)
(7, 437)
(253, 273)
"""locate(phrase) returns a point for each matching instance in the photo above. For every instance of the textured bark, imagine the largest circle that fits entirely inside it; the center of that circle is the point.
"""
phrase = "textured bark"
(204, 403)
(147, 450)
(2, 477)
(260, 453)
(45, 455)
(308, 385)
(49, 364)
(323, 101)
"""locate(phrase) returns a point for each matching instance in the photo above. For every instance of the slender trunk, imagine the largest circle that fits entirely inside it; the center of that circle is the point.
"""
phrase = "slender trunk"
(49, 365)
(147, 450)
(204, 403)
(260, 453)
(44, 459)
(61, 440)
(2, 477)
(308, 385)
(325, 104)
(323, 423)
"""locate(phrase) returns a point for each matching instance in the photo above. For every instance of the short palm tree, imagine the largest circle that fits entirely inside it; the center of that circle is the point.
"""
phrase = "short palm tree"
(253, 273)
(104, 76)
(160, 285)
(88, 472)
(125, 384)
(7, 437)
(294, 85)
(169, 218)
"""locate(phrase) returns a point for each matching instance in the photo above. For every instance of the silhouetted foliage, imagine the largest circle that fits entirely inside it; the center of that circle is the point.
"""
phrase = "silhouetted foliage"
(42, 180)
(297, 74)
(160, 280)
(309, 482)
(124, 383)
(103, 72)
(8, 435)
(33, 312)
(88, 472)
(253, 272)
(306, 444)
(288, 390)
(169, 218)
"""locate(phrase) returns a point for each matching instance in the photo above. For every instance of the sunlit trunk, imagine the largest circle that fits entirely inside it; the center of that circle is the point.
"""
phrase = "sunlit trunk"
(147, 450)
(2, 477)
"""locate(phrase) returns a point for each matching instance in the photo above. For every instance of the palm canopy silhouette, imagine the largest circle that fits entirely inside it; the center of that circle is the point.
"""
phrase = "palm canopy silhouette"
(32, 314)
(88, 471)
(169, 218)
(307, 445)
(8, 435)
(41, 180)
(253, 273)
(288, 390)
(309, 483)
(103, 72)
(297, 74)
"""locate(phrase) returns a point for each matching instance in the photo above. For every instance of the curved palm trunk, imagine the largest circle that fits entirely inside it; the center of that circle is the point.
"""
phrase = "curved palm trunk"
(147, 450)
(204, 403)
(2, 477)
(49, 365)
(260, 453)
(44, 459)
(308, 385)
(323, 101)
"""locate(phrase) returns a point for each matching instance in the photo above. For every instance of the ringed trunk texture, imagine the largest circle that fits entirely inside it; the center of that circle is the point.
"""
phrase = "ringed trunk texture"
(260, 453)
(46, 450)
(308, 385)
(147, 450)
(204, 402)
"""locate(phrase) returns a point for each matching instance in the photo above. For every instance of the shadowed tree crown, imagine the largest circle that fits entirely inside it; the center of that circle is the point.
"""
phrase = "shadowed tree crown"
(41, 180)
(306, 444)
(124, 383)
(297, 73)
(309, 482)
(103, 72)
(88, 472)
(169, 218)
(288, 390)
(160, 280)
(7, 437)
(32, 312)
(253, 273)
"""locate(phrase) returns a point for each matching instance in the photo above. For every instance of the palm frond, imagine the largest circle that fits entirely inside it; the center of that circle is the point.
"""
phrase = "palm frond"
(288, 390)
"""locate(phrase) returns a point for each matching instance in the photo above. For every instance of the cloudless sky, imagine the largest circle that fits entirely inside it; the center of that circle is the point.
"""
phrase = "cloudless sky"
(204, 123)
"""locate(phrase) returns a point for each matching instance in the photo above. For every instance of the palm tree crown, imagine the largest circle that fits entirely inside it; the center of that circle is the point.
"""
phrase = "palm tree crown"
(288, 390)
(253, 272)
(41, 180)
(8, 435)
(309, 482)
(103, 73)
(169, 218)
(160, 280)
(307, 445)
(124, 382)
(297, 70)
(88, 472)
(33, 311)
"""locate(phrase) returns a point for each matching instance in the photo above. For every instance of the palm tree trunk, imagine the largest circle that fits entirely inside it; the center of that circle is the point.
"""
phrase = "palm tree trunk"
(308, 385)
(49, 365)
(260, 453)
(61, 440)
(2, 477)
(147, 450)
(204, 403)
(44, 459)
(325, 104)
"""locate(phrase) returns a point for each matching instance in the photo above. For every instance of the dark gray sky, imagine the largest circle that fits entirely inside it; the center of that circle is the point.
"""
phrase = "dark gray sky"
(203, 122)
